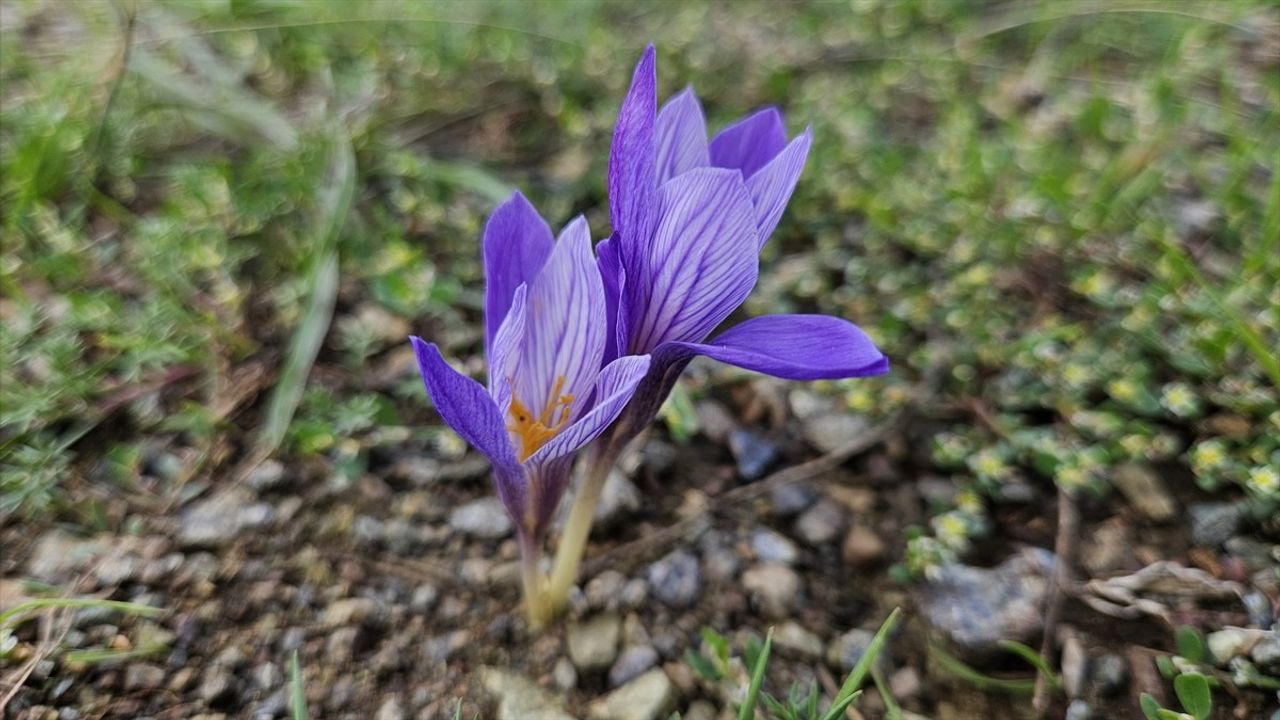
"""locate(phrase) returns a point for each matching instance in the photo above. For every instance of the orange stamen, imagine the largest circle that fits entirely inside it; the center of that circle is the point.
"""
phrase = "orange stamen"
(536, 432)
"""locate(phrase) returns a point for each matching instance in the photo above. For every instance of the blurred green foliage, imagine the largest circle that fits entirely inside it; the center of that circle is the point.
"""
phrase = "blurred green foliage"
(1064, 215)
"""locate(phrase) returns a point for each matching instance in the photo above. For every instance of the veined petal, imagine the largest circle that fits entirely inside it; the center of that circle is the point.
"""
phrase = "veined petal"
(750, 142)
(681, 134)
(468, 409)
(516, 243)
(614, 277)
(564, 326)
(506, 349)
(702, 263)
(632, 183)
(796, 347)
(772, 185)
(613, 389)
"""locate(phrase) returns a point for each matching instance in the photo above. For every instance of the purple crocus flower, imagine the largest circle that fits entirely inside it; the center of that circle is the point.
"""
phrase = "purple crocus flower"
(689, 218)
(550, 391)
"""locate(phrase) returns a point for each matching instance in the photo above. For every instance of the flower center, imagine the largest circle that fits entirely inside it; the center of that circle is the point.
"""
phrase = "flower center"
(534, 432)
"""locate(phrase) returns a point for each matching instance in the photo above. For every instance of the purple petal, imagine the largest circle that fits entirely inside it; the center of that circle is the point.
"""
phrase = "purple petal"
(681, 134)
(613, 389)
(772, 185)
(564, 325)
(468, 409)
(547, 483)
(614, 277)
(516, 243)
(507, 347)
(797, 347)
(632, 183)
(750, 143)
(702, 262)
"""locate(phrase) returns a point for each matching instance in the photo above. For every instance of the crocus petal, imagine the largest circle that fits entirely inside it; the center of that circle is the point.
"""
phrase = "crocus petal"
(632, 183)
(614, 277)
(612, 390)
(564, 325)
(681, 134)
(750, 142)
(772, 185)
(702, 262)
(516, 243)
(505, 353)
(796, 347)
(468, 409)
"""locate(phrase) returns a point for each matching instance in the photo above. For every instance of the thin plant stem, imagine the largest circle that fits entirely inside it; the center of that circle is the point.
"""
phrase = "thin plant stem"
(535, 598)
(573, 541)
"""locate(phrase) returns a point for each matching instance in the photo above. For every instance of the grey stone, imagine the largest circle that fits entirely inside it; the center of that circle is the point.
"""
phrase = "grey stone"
(603, 590)
(721, 562)
(753, 452)
(267, 676)
(424, 597)
(564, 675)
(349, 611)
(792, 498)
(618, 498)
(391, 709)
(716, 422)
(848, 648)
(218, 520)
(143, 677)
(1109, 674)
(633, 661)
(1079, 710)
(57, 554)
(676, 579)
(830, 431)
(1267, 652)
(820, 524)
(770, 546)
(266, 476)
(218, 687)
(976, 608)
(1233, 642)
(1145, 491)
(792, 637)
(634, 593)
(485, 518)
(1213, 524)
(775, 589)
(647, 697)
(519, 699)
(593, 643)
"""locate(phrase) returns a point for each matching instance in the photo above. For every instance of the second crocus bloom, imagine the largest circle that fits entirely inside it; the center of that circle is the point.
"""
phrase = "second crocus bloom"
(550, 393)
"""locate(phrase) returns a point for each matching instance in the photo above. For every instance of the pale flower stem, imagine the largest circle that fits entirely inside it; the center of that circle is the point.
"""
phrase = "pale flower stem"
(573, 541)
(536, 607)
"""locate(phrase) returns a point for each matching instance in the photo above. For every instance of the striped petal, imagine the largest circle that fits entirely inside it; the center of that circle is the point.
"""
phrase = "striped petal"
(681, 136)
(749, 143)
(505, 352)
(614, 277)
(468, 409)
(702, 262)
(796, 347)
(772, 185)
(613, 389)
(632, 182)
(516, 243)
(565, 325)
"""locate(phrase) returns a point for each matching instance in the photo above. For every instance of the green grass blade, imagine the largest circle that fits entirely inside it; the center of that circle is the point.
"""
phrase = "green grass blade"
(748, 709)
(892, 711)
(1033, 658)
(863, 668)
(984, 682)
(322, 294)
(297, 695)
(43, 603)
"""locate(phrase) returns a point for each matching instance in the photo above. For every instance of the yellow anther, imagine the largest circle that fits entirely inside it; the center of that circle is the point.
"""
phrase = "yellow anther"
(536, 432)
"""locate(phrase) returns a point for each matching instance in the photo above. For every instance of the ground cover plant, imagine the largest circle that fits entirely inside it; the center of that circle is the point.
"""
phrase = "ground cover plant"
(1060, 221)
